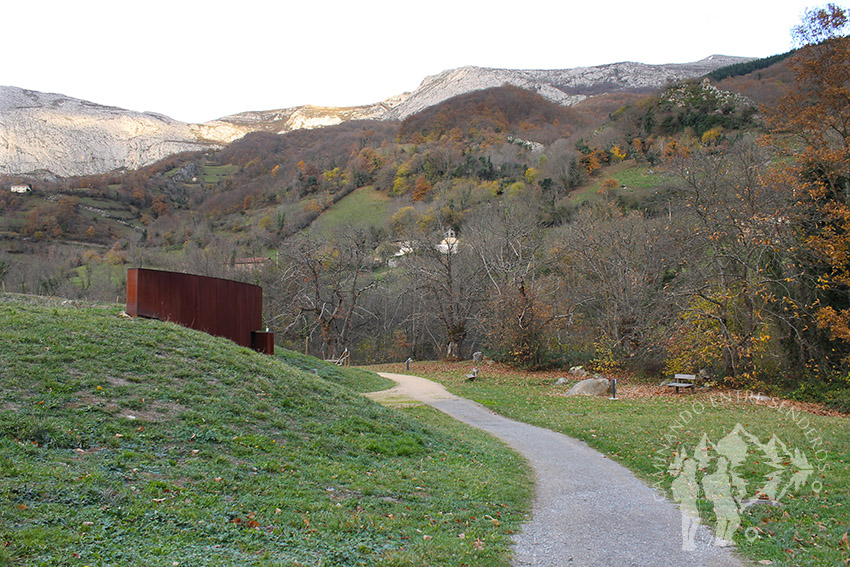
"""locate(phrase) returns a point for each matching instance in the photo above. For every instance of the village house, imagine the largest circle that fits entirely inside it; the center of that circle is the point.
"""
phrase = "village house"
(449, 243)
(20, 189)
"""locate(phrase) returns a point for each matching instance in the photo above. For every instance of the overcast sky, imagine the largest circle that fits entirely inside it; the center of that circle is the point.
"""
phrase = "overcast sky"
(201, 60)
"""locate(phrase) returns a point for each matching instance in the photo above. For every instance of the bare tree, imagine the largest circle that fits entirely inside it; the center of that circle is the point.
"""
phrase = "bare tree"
(442, 269)
(215, 260)
(614, 264)
(321, 284)
(521, 309)
(562, 166)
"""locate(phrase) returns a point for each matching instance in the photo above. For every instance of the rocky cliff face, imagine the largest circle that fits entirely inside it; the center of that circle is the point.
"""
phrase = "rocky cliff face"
(51, 134)
(54, 135)
(288, 119)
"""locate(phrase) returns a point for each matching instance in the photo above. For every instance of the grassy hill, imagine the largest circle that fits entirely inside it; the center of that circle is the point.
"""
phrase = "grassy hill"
(130, 441)
(364, 208)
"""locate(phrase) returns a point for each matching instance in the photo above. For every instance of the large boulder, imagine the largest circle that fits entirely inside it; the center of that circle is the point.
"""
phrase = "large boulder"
(591, 387)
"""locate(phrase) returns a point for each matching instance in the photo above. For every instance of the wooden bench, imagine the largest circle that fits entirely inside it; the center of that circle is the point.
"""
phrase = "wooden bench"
(683, 381)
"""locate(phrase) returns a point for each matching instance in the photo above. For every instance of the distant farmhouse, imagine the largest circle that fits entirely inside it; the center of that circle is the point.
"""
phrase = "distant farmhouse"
(448, 245)
(20, 189)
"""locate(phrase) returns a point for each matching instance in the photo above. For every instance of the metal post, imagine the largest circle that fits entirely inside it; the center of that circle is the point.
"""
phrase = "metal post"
(407, 364)
(613, 389)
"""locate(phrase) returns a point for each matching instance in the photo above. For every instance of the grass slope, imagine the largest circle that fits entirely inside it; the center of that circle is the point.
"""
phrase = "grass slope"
(808, 528)
(130, 441)
(363, 208)
(634, 182)
(354, 378)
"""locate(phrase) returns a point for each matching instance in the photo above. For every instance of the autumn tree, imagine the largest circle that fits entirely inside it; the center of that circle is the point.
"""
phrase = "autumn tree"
(67, 214)
(817, 113)
(421, 187)
(736, 287)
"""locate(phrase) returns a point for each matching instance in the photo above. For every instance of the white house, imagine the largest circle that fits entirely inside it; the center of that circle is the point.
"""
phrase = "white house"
(20, 189)
(449, 243)
(403, 249)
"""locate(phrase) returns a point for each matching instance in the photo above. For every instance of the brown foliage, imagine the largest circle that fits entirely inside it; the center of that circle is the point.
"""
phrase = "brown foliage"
(496, 111)
(421, 187)
(817, 112)
(765, 86)
(595, 110)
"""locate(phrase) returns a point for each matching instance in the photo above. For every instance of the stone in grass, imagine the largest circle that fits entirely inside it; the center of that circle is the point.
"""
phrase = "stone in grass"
(591, 387)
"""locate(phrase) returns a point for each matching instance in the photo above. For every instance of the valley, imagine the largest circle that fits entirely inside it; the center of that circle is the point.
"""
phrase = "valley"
(495, 220)
(504, 232)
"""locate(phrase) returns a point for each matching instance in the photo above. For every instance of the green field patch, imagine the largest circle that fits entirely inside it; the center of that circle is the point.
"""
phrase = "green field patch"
(216, 173)
(111, 207)
(630, 181)
(366, 207)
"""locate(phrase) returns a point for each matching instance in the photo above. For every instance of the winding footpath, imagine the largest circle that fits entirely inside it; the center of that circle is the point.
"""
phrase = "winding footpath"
(588, 510)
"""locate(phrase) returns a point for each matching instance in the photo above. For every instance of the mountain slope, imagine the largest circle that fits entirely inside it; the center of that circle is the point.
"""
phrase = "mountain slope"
(50, 135)
(64, 136)
(564, 86)
(308, 116)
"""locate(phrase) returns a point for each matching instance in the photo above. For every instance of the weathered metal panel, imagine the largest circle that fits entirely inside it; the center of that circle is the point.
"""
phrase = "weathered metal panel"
(220, 307)
(262, 341)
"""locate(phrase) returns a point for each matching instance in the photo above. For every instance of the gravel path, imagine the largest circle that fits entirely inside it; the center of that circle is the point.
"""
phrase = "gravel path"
(588, 511)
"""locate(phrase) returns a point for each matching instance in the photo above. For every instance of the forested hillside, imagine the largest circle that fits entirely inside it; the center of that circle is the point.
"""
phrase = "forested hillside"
(700, 227)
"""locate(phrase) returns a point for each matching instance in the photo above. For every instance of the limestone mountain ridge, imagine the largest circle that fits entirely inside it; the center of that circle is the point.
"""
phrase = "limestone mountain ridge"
(564, 86)
(52, 135)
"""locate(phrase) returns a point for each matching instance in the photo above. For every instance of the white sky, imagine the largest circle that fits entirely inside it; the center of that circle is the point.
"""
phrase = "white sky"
(200, 60)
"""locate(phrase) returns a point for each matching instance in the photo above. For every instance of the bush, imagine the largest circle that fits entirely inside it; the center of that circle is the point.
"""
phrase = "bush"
(834, 391)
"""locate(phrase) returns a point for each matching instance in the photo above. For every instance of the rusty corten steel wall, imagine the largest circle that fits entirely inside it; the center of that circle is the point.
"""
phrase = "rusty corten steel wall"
(220, 307)
(262, 341)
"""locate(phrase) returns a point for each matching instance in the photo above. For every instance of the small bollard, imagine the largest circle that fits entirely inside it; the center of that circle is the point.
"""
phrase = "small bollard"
(407, 364)
(613, 389)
